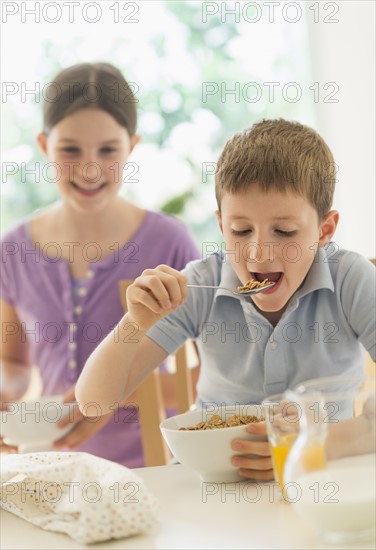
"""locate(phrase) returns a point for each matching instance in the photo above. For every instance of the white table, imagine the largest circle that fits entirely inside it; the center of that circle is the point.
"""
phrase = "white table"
(239, 515)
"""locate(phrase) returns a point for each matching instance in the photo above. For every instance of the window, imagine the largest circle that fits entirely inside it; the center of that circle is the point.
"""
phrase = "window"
(201, 71)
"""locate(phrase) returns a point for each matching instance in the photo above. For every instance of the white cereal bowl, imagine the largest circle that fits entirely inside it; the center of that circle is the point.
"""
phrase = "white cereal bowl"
(32, 425)
(208, 451)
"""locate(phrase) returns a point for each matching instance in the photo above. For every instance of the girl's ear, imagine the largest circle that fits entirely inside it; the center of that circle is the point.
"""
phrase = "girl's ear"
(328, 227)
(42, 142)
(136, 138)
(219, 218)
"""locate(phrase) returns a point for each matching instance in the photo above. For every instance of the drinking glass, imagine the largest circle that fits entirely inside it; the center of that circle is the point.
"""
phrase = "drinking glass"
(282, 425)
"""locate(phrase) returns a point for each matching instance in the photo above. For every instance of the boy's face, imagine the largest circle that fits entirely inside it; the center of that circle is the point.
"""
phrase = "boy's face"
(273, 235)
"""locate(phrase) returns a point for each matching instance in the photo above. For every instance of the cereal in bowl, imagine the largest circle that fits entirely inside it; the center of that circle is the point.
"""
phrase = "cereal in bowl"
(216, 422)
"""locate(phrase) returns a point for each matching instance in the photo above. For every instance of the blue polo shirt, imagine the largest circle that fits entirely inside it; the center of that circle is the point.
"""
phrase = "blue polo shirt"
(323, 332)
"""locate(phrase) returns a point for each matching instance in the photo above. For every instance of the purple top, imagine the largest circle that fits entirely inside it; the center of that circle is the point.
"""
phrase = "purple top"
(64, 329)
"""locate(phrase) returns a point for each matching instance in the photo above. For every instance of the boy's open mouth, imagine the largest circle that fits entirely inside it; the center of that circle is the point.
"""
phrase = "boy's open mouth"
(273, 276)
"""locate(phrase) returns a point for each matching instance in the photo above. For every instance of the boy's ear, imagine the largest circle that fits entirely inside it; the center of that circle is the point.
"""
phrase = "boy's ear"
(219, 218)
(328, 227)
(42, 142)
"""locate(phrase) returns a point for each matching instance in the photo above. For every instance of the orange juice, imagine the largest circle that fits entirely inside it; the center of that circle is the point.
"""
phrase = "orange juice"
(279, 455)
(313, 456)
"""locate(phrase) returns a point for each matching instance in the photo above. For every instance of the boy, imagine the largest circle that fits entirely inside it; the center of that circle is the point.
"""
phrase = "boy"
(274, 188)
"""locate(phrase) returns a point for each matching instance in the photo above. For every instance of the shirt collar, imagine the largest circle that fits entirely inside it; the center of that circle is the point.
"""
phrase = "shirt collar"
(319, 275)
(229, 279)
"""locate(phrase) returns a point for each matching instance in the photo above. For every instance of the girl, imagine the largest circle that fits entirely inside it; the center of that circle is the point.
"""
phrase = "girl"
(61, 267)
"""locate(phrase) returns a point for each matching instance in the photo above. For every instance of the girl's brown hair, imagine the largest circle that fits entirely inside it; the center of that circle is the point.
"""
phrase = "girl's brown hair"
(280, 155)
(89, 85)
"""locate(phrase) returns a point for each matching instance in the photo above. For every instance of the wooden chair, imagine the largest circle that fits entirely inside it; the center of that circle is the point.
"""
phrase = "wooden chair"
(149, 397)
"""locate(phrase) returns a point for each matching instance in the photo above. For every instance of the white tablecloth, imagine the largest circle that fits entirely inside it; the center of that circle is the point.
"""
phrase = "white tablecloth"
(241, 515)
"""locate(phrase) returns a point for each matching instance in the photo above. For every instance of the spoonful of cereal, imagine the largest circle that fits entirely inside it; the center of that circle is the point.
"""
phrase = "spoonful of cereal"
(251, 287)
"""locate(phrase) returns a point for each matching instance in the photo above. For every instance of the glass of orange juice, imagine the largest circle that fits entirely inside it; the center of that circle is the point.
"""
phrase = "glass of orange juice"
(282, 424)
(282, 416)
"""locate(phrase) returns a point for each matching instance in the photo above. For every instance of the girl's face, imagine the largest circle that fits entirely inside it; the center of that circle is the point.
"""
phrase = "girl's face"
(90, 150)
(273, 235)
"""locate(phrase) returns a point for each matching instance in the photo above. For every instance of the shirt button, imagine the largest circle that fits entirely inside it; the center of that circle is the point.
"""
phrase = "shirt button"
(72, 364)
(273, 345)
(72, 345)
(82, 291)
(90, 274)
(78, 310)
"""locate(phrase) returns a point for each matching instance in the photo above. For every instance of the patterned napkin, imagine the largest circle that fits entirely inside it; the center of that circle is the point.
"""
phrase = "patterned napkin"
(89, 498)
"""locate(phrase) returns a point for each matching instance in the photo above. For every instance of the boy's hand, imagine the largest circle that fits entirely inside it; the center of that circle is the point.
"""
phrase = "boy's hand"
(155, 294)
(259, 467)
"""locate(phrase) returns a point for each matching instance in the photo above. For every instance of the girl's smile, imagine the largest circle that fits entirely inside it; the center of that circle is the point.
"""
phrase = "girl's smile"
(88, 192)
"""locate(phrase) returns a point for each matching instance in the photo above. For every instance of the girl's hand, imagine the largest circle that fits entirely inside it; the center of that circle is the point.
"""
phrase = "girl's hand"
(258, 468)
(4, 447)
(155, 294)
(82, 427)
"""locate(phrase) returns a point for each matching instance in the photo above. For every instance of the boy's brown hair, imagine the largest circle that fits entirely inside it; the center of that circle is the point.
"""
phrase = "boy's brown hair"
(90, 85)
(279, 155)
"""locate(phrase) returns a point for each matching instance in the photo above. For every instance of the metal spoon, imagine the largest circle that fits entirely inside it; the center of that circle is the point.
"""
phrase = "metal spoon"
(236, 292)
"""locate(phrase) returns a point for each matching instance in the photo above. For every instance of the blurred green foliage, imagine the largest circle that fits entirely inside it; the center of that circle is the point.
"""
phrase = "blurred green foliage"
(208, 46)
